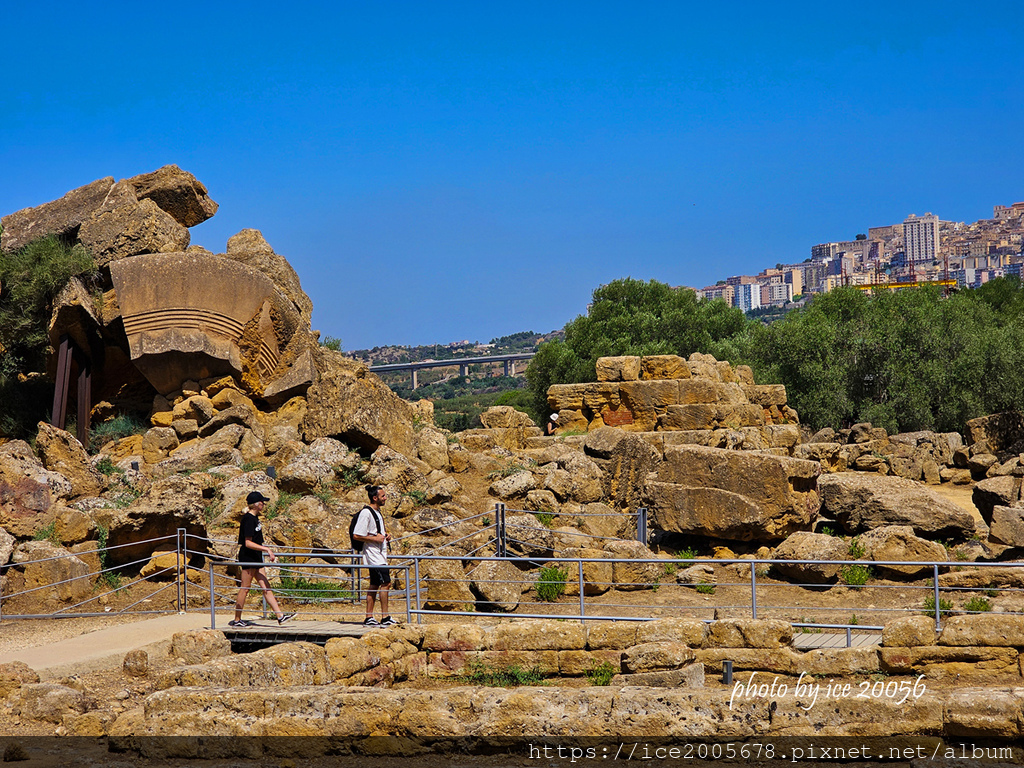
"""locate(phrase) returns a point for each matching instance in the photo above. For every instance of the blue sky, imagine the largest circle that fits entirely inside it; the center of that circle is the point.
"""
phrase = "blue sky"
(440, 171)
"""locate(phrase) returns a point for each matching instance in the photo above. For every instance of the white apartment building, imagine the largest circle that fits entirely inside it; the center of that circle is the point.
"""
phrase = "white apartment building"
(748, 296)
(921, 238)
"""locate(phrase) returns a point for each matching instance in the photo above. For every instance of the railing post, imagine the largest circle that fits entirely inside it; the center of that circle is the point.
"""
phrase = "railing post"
(181, 573)
(753, 591)
(641, 525)
(408, 597)
(502, 541)
(213, 600)
(849, 638)
(583, 609)
(935, 581)
(419, 604)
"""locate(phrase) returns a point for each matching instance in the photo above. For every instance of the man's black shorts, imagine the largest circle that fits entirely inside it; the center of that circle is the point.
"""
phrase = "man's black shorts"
(379, 577)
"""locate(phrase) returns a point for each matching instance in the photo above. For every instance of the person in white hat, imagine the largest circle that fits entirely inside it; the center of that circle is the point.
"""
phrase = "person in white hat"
(552, 423)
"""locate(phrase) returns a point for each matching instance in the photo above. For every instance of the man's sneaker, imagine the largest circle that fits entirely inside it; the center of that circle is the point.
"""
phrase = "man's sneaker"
(285, 618)
(240, 623)
(371, 622)
(387, 621)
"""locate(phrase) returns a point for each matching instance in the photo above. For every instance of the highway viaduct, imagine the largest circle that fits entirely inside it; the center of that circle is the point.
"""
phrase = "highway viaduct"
(462, 362)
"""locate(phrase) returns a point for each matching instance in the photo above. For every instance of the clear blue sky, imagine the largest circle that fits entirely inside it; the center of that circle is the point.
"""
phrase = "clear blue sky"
(439, 171)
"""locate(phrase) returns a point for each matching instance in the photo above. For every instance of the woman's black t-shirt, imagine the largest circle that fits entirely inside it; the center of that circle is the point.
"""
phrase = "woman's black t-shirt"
(250, 529)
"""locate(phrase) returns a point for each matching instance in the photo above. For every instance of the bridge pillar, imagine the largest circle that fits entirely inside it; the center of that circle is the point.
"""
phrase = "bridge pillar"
(463, 369)
(506, 368)
(415, 379)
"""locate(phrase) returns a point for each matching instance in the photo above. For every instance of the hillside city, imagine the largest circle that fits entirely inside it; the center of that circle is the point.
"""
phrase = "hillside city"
(918, 250)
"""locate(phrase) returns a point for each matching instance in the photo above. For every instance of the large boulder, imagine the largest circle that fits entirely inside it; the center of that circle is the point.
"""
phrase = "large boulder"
(61, 452)
(732, 494)
(250, 248)
(52, 570)
(499, 585)
(177, 192)
(898, 542)
(126, 226)
(1006, 526)
(862, 501)
(1002, 491)
(997, 431)
(626, 459)
(804, 545)
(154, 519)
(27, 489)
(59, 217)
(355, 406)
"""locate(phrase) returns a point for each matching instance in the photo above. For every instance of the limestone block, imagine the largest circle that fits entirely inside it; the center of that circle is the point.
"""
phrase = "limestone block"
(647, 400)
(804, 545)
(566, 397)
(732, 494)
(780, 661)
(177, 192)
(749, 633)
(898, 542)
(499, 584)
(987, 630)
(197, 407)
(737, 415)
(836, 662)
(157, 443)
(125, 226)
(686, 417)
(601, 520)
(618, 368)
(13, 675)
(949, 661)
(62, 453)
(56, 217)
(663, 367)
(699, 390)
(513, 486)
(861, 501)
(455, 637)
(688, 676)
(652, 657)
(909, 631)
(614, 635)
(1007, 526)
(446, 586)
(54, 571)
(998, 430)
(598, 397)
(1001, 491)
(691, 632)
(766, 395)
(48, 702)
(432, 447)
(198, 645)
(578, 663)
(598, 578)
(992, 716)
(539, 635)
(631, 576)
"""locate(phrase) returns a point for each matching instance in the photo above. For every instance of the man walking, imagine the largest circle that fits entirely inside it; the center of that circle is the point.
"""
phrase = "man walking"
(369, 529)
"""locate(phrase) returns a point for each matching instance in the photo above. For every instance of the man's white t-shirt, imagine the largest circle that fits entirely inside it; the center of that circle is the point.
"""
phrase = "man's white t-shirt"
(375, 554)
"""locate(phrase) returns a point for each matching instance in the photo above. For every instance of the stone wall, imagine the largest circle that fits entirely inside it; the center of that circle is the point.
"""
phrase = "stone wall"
(665, 393)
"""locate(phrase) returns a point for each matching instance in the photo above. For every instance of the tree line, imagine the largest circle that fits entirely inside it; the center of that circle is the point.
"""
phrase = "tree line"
(904, 360)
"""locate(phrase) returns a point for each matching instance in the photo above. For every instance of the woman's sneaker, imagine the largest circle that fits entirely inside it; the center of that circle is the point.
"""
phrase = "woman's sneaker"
(371, 622)
(240, 623)
(387, 621)
(285, 618)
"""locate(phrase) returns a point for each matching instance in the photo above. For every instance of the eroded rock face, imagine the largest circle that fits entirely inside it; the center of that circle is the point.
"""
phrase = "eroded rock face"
(176, 502)
(898, 542)
(804, 545)
(60, 452)
(177, 192)
(731, 494)
(59, 217)
(862, 501)
(353, 405)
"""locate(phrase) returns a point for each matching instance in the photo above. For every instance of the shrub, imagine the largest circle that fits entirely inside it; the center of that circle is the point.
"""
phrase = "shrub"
(855, 576)
(856, 549)
(544, 518)
(928, 607)
(310, 590)
(977, 604)
(601, 674)
(509, 677)
(107, 467)
(705, 588)
(551, 583)
(284, 500)
(122, 425)
(331, 342)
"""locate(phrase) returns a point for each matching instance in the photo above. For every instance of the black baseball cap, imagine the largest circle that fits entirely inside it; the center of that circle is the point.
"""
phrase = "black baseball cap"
(255, 496)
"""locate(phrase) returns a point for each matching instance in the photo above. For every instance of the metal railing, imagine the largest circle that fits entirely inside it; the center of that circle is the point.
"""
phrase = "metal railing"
(593, 587)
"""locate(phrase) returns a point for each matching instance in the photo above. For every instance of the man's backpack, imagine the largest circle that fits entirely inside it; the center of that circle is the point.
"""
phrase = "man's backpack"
(357, 546)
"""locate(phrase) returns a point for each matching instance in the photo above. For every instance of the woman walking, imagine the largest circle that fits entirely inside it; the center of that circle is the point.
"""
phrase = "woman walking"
(250, 554)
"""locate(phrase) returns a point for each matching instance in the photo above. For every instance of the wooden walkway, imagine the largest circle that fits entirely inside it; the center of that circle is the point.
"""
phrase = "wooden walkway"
(806, 641)
(265, 632)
